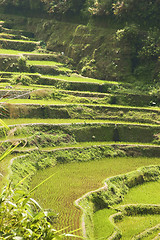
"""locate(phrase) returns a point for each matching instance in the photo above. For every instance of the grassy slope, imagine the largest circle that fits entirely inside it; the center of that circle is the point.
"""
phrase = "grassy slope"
(73, 180)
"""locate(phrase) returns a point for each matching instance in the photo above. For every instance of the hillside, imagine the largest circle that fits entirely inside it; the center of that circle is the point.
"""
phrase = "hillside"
(80, 92)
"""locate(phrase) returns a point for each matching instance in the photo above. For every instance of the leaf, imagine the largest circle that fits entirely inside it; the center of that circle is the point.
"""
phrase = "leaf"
(4, 124)
(39, 216)
(22, 180)
(41, 183)
(36, 203)
(8, 151)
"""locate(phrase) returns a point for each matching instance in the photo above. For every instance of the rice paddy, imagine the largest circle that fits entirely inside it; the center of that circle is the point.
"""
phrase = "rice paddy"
(73, 180)
(145, 193)
(14, 121)
(45, 63)
(131, 226)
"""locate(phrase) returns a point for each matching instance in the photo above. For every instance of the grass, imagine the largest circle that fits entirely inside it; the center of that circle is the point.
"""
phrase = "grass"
(31, 101)
(102, 226)
(22, 41)
(131, 226)
(15, 52)
(152, 236)
(76, 145)
(44, 63)
(73, 180)
(145, 193)
(61, 121)
(77, 78)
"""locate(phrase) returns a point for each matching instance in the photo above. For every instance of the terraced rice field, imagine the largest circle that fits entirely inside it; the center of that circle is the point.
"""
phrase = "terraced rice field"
(71, 181)
(131, 226)
(61, 116)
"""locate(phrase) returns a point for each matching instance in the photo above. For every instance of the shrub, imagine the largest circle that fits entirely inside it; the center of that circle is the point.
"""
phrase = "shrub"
(100, 7)
(151, 45)
(22, 79)
(41, 94)
(129, 33)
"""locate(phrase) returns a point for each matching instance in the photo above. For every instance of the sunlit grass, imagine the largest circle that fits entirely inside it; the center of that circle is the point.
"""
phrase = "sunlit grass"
(131, 226)
(61, 121)
(10, 51)
(75, 179)
(78, 78)
(145, 193)
(50, 101)
(13, 40)
(102, 226)
(45, 63)
(153, 235)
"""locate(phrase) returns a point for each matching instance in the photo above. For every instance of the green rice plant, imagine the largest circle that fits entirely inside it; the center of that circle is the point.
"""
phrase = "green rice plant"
(78, 78)
(103, 227)
(10, 51)
(61, 121)
(21, 41)
(145, 193)
(45, 63)
(117, 107)
(75, 179)
(131, 226)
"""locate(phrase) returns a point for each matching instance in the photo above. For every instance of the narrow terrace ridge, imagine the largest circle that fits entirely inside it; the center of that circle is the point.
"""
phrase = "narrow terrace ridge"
(55, 103)
(130, 149)
(17, 32)
(69, 122)
(12, 36)
(22, 45)
(33, 56)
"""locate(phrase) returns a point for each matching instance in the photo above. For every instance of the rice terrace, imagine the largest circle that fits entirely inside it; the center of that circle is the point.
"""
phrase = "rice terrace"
(80, 119)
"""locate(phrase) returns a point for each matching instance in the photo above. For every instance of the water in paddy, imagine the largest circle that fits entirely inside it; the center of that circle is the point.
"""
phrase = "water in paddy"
(72, 180)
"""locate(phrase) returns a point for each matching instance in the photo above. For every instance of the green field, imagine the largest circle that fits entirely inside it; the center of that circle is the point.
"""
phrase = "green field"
(103, 228)
(44, 63)
(76, 78)
(131, 226)
(61, 121)
(73, 180)
(147, 193)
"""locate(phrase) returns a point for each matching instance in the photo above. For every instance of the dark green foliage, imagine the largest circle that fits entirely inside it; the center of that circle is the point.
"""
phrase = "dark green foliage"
(18, 45)
(22, 218)
(22, 79)
(145, 11)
